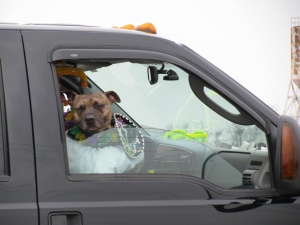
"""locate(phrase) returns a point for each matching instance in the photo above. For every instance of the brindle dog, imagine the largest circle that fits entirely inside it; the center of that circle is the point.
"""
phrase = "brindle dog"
(92, 112)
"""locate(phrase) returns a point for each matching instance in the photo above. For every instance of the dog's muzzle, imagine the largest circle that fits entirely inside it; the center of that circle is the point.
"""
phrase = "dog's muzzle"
(89, 119)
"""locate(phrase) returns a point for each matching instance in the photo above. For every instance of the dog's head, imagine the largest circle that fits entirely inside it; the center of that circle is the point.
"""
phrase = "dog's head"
(92, 112)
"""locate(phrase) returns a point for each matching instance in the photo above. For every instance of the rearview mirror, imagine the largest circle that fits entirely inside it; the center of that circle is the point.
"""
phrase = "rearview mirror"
(152, 74)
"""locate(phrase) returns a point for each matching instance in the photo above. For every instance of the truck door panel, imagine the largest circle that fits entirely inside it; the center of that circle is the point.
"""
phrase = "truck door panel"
(119, 199)
(18, 203)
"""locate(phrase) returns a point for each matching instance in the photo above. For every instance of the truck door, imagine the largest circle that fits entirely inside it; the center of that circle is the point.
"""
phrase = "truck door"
(18, 203)
(199, 155)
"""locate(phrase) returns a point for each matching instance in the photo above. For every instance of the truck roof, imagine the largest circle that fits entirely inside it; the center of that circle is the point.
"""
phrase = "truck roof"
(64, 27)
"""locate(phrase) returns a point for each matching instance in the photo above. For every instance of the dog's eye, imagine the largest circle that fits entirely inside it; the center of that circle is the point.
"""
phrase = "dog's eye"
(80, 109)
(98, 106)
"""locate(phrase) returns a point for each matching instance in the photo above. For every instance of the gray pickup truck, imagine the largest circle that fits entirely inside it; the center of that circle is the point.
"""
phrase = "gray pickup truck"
(187, 144)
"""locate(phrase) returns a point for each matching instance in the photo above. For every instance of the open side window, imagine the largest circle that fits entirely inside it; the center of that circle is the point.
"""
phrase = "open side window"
(184, 126)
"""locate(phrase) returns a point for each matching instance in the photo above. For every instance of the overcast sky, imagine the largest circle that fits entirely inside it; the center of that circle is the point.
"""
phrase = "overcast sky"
(247, 39)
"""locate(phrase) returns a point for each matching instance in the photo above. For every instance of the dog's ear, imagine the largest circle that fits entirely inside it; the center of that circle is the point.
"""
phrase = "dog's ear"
(113, 96)
(71, 94)
(70, 97)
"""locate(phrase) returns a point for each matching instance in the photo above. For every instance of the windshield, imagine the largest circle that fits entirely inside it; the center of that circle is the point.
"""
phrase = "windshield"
(171, 105)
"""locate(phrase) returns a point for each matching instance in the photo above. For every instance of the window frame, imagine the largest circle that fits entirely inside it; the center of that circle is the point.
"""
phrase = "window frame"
(73, 54)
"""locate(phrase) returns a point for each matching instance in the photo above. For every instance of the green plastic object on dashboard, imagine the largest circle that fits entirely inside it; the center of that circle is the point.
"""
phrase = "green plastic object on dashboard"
(198, 135)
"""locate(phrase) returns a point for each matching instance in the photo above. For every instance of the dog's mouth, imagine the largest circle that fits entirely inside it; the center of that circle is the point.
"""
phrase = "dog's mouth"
(90, 126)
(90, 129)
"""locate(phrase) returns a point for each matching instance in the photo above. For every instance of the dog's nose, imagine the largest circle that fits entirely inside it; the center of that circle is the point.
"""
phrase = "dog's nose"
(89, 119)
